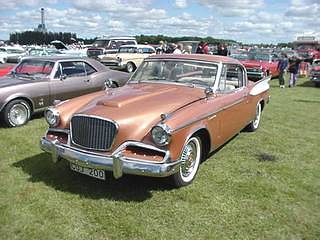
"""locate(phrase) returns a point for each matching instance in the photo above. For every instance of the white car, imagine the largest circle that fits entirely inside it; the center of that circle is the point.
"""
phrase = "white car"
(128, 57)
(11, 54)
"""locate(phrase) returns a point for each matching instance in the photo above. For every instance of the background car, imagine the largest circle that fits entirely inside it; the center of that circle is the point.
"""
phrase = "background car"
(259, 64)
(35, 83)
(314, 74)
(109, 45)
(128, 57)
(11, 54)
(44, 52)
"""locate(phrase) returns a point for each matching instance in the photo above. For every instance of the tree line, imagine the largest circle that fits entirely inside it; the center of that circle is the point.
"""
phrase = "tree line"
(40, 38)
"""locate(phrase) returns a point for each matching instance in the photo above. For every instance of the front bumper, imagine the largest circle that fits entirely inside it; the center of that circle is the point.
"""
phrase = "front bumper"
(116, 163)
(315, 78)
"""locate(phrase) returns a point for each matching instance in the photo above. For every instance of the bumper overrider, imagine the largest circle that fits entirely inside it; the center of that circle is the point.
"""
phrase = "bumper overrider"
(116, 162)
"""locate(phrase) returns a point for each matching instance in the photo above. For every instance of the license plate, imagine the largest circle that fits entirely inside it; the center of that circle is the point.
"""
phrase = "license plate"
(92, 172)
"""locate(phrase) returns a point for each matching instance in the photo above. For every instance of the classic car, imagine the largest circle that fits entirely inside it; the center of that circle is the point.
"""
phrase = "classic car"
(109, 45)
(36, 82)
(259, 64)
(128, 57)
(11, 54)
(315, 72)
(172, 113)
(70, 50)
(44, 52)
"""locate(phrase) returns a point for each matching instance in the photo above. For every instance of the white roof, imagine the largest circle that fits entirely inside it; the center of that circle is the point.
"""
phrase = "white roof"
(137, 46)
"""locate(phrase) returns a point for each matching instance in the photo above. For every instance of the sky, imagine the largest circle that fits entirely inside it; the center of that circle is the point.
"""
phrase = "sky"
(247, 21)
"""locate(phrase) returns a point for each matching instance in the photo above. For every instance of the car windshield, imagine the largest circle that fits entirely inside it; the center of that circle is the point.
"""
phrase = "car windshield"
(34, 68)
(176, 71)
(100, 43)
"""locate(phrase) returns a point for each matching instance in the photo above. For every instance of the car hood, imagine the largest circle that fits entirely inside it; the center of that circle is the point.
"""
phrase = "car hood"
(149, 99)
(250, 63)
(11, 81)
(136, 108)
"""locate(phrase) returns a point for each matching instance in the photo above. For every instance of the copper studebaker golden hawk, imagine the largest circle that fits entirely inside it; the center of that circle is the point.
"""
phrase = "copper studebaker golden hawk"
(172, 113)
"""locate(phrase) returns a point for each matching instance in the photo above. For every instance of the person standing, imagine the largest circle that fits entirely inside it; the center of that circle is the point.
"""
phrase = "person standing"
(205, 48)
(178, 49)
(293, 69)
(282, 65)
(200, 48)
(222, 50)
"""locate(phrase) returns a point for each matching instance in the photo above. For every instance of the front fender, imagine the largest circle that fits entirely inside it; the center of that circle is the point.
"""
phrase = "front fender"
(180, 137)
(11, 97)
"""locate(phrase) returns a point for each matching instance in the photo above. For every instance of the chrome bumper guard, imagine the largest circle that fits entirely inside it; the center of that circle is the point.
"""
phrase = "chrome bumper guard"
(117, 163)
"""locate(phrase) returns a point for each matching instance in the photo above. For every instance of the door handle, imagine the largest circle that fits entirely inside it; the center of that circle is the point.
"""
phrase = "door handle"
(86, 80)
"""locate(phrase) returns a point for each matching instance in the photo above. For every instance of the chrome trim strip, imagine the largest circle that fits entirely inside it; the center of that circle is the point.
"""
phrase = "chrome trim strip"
(97, 117)
(207, 116)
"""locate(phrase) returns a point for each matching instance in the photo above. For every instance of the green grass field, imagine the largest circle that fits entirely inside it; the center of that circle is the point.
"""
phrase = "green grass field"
(262, 185)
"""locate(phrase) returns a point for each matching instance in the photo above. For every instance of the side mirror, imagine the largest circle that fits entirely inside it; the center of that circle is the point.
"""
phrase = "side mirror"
(108, 83)
(209, 92)
(63, 77)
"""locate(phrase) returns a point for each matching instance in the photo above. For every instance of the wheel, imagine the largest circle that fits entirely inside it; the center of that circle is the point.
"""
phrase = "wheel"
(254, 125)
(130, 67)
(191, 155)
(16, 113)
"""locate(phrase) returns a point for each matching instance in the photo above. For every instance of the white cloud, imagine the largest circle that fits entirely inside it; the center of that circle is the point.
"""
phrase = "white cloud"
(181, 3)
(233, 7)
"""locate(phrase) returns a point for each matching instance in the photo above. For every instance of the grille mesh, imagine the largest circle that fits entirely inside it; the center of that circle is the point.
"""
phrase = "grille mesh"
(92, 133)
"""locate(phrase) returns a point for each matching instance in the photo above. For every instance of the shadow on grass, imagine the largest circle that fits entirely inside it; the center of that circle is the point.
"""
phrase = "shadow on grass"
(60, 177)
(307, 84)
(306, 101)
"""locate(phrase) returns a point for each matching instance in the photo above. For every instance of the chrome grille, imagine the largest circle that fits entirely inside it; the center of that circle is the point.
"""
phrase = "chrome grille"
(92, 133)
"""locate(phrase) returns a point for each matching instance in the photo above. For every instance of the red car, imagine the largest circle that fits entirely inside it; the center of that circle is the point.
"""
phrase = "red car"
(315, 72)
(258, 64)
(5, 70)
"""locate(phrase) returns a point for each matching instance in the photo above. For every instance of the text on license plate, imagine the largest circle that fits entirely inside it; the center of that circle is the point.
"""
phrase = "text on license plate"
(96, 173)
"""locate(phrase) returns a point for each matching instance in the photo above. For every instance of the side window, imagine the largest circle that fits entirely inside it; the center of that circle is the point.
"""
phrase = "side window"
(147, 50)
(231, 78)
(89, 70)
(73, 69)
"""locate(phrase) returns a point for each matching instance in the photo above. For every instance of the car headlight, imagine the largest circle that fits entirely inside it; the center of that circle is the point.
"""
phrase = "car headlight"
(161, 135)
(52, 117)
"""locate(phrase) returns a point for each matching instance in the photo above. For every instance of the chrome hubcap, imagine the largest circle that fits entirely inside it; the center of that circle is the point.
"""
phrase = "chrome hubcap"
(18, 114)
(190, 159)
(130, 68)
